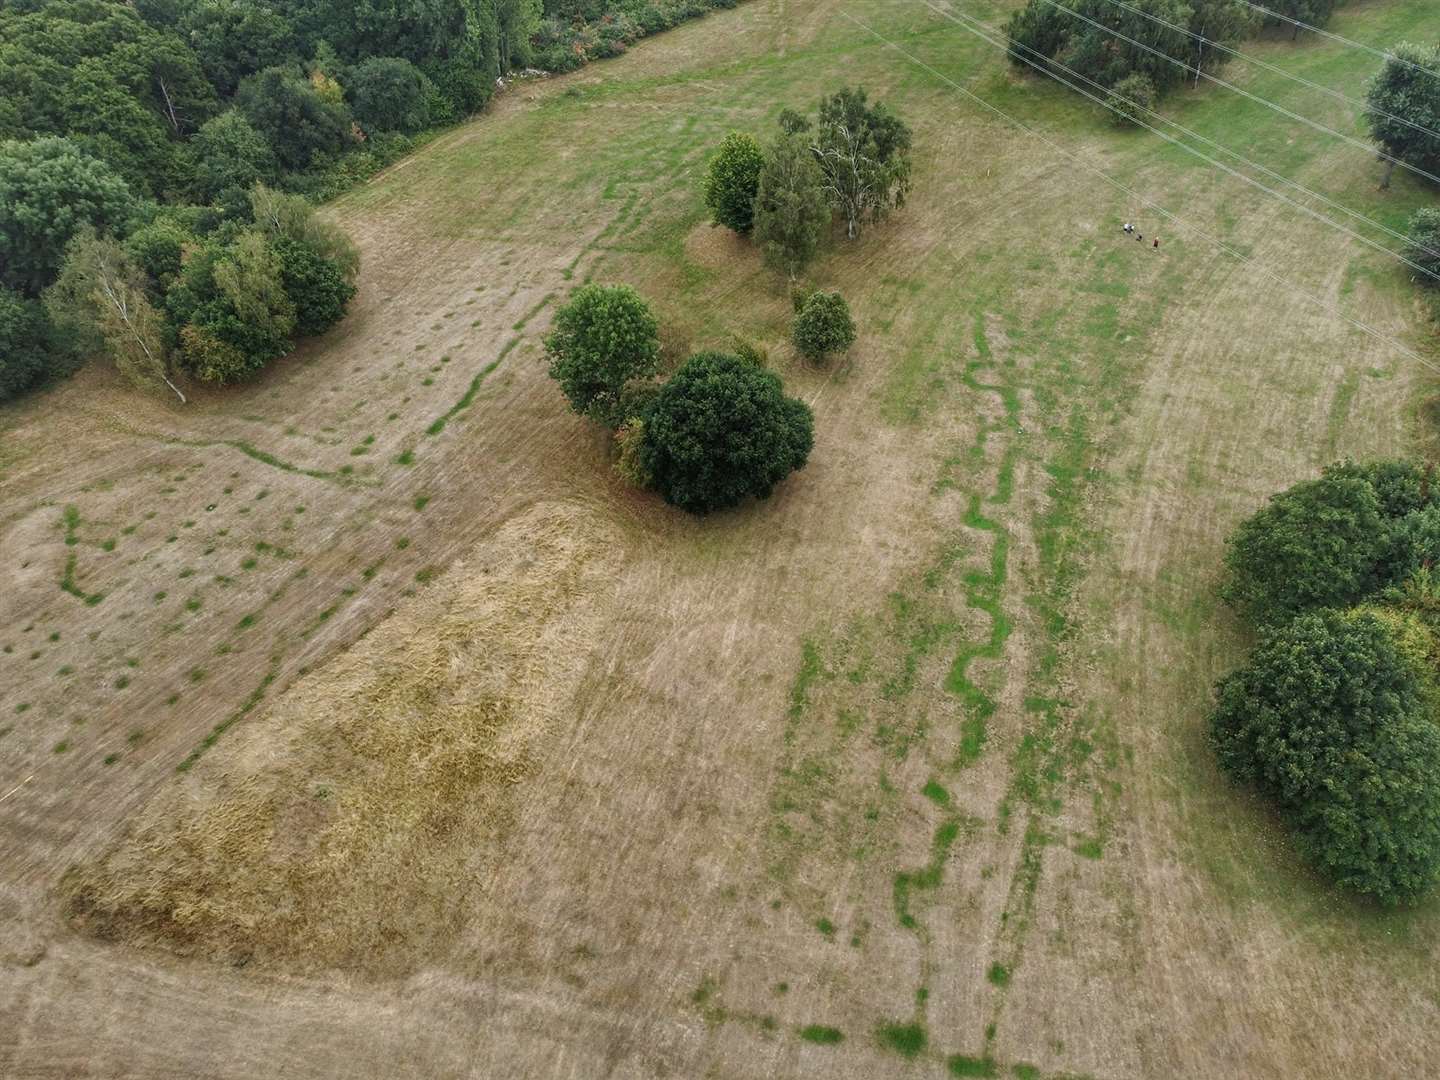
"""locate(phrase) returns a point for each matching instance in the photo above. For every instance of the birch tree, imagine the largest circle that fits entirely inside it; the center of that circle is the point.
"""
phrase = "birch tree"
(99, 303)
(863, 152)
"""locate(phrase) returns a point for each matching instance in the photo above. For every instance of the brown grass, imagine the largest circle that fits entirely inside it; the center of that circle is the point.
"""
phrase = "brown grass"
(347, 826)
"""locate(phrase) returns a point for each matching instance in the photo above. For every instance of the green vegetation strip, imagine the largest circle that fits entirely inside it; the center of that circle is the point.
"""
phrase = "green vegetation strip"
(469, 396)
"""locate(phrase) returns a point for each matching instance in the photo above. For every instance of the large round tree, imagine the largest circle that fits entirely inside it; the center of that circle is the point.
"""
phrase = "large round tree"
(733, 180)
(722, 430)
(602, 339)
(1333, 718)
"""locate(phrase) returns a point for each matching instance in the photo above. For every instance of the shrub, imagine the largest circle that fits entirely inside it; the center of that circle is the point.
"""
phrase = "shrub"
(23, 335)
(722, 430)
(602, 339)
(733, 180)
(1333, 718)
(1129, 100)
(823, 326)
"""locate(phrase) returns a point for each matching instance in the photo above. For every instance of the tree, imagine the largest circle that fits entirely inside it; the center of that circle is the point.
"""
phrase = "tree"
(292, 116)
(231, 308)
(1333, 541)
(722, 430)
(292, 217)
(1334, 720)
(236, 38)
(1130, 100)
(790, 207)
(1295, 12)
(1423, 243)
(602, 339)
(230, 154)
(388, 94)
(49, 190)
(823, 326)
(864, 155)
(1089, 38)
(1406, 88)
(317, 286)
(159, 250)
(731, 183)
(1314, 545)
(24, 333)
(100, 299)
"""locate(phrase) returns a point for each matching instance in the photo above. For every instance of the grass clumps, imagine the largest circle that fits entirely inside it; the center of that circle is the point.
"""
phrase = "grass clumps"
(907, 1040)
(822, 1035)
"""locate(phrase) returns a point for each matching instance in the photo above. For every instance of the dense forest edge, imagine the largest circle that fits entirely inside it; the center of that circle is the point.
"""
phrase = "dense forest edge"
(137, 136)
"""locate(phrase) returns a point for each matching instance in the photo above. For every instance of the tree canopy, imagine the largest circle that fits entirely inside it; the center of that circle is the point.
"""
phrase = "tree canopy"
(732, 180)
(823, 326)
(790, 208)
(1336, 722)
(723, 430)
(49, 190)
(1402, 99)
(602, 339)
(863, 151)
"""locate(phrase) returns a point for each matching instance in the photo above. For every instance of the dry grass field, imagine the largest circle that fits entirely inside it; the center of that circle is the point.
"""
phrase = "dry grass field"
(362, 723)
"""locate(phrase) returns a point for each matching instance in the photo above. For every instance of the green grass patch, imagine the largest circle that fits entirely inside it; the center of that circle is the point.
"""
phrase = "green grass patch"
(907, 1040)
(822, 1035)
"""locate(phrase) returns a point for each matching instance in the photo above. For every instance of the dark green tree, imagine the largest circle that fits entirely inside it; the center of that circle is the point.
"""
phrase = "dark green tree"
(1334, 720)
(49, 189)
(790, 207)
(230, 155)
(317, 286)
(1407, 87)
(388, 94)
(234, 39)
(723, 430)
(1311, 12)
(823, 326)
(24, 334)
(602, 339)
(1314, 545)
(863, 151)
(292, 116)
(732, 181)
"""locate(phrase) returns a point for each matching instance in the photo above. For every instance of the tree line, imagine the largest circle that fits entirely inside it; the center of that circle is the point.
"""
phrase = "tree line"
(123, 115)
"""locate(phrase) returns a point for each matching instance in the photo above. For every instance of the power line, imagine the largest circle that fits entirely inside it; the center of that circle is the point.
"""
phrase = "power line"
(1043, 69)
(1275, 68)
(1176, 220)
(1366, 147)
(1343, 40)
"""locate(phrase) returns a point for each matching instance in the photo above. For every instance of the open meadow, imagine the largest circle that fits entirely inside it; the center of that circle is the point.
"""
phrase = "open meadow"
(362, 722)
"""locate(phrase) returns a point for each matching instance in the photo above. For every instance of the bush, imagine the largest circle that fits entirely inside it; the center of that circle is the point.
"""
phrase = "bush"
(733, 180)
(389, 94)
(723, 430)
(602, 339)
(23, 337)
(1333, 718)
(823, 326)
(158, 249)
(1324, 543)
(1130, 99)
(1423, 245)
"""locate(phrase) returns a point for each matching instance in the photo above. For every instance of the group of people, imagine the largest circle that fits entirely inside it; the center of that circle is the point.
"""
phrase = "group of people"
(1130, 230)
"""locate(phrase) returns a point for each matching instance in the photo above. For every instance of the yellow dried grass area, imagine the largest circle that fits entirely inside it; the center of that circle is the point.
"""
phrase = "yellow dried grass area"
(349, 824)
